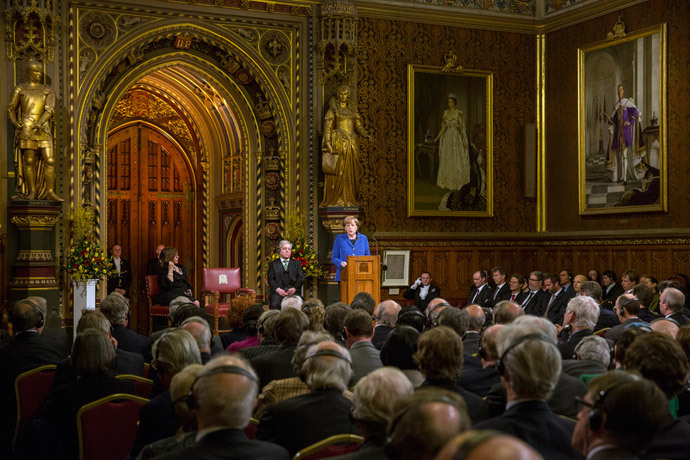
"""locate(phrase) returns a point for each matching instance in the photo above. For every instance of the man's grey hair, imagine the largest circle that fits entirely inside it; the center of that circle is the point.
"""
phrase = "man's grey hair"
(202, 337)
(675, 299)
(594, 348)
(115, 307)
(327, 371)
(284, 242)
(376, 395)
(220, 403)
(592, 289)
(291, 301)
(545, 326)
(266, 320)
(306, 341)
(532, 366)
(177, 349)
(586, 311)
(387, 312)
(175, 304)
(93, 319)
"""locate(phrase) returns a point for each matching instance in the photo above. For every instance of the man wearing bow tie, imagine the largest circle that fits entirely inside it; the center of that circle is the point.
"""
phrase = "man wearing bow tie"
(122, 278)
(285, 276)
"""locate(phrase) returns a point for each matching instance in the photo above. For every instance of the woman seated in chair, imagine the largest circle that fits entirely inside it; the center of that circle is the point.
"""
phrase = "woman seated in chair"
(172, 279)
(91, 356)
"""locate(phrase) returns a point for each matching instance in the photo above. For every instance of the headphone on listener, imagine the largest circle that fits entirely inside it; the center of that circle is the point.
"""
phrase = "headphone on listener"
(500, 362)
(390, 449)
(440, 304)
(227, 369)
(596, 415)
(328, 352)
(38, 310)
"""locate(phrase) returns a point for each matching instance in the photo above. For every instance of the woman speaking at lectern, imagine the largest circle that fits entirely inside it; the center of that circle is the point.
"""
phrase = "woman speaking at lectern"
(350, 243)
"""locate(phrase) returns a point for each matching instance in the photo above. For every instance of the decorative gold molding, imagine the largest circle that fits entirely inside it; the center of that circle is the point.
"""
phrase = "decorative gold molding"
(34, 255)
(618, 30)
(34, 222)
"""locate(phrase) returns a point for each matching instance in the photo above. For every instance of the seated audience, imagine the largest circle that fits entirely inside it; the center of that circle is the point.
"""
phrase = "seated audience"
(316, 313)
(250, 326)
(287, 329)
(581, 315)
(303, 420)
(506, 311)
(91, 357)
(115, 307)
(424, 422)
(398, 351)
(373, 401)
(358, 333)
(385, 317)
(671, 305)
(480, 380)
(621, 413)
(607, 318)
(180, 385)
(661, 359)
(173, 352)
(201, 331)
(529, 366)
(223, 396)
(267, 343)
(487, 445)
(172, 279)
(516, 282)
(440, 359)
(592, 357)
(555, 300)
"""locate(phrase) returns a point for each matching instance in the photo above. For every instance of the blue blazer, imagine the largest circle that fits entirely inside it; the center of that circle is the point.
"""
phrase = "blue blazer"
(342, 247)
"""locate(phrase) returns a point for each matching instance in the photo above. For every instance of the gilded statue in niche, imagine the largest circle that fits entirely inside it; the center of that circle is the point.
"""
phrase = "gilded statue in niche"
(340, 151)
(31, 110)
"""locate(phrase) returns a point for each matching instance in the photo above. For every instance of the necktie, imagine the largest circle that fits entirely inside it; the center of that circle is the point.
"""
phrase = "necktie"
(553, 297)
(285, 264)
(529, 297)
(476, 294)
(496, 292)
(512, 297)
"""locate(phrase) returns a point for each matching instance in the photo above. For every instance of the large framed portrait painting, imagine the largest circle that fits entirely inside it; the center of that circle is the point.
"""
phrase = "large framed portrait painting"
(622, 123)
(450, 142)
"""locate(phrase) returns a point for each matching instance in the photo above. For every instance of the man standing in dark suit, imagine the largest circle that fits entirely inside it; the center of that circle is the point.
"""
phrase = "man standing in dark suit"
(122, 278)
(533, 301)
(300, 421)
(285, 276)
(422, 291)
(481, 293)
(671, 304)
(502, 290)
(224, 397)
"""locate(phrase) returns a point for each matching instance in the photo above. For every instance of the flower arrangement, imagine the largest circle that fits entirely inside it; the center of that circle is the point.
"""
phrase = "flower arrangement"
(87, 259)
(302, 251)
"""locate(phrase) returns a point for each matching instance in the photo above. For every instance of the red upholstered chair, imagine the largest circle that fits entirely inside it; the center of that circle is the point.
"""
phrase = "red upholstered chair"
(339, 444)
(220, 281)
(107, 427)
(32, 389)
(153, 290)
(141, 385)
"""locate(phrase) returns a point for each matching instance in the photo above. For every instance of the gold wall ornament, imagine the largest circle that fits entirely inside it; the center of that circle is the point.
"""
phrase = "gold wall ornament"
(451, 63)
(183, 42)
(618, 30)
(31, 28)
(337, 40)
(32, 222)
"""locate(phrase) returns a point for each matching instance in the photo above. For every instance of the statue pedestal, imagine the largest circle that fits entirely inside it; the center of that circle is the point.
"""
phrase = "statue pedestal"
(33, 270)
(84, 294)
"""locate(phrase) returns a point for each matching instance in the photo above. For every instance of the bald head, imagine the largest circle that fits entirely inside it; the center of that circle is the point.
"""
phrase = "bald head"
(387, 313)
(507, 312)
(476, 315)
(435, 308)
(483, 445)
(665, 326)
(577, 282)
(488, 341)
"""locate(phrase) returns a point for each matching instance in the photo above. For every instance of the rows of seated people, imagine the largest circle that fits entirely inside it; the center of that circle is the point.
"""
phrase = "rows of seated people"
(586, 377)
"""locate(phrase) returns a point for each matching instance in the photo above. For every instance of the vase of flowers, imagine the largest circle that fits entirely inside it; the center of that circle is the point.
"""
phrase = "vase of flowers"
(87, 262)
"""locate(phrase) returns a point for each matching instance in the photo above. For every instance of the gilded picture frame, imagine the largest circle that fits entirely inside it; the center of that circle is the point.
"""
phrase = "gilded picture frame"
(450, 149)
(397, 263)
(622, 130)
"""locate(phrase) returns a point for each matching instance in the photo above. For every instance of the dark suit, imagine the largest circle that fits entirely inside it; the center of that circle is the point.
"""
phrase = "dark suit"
(607, 318)
(476, 407)
(615, 332)
(128, 340)
(679, 318)
(120, 280)
(483, 299)
(501, 294)
(470, 342)
(381, 331)
(157, 420)
(614, 453)
(413, 294)
(153, 266)
(268, 345)
(672, 443)
(576, 367)
(228, 444)
(275, 366)
(556, 310)
(609, 296)
(479, 380)
(538, 426)
(533, 305)
(298, 422)
(365, 359)
(278, 277)
(567, 348)
(646, 315)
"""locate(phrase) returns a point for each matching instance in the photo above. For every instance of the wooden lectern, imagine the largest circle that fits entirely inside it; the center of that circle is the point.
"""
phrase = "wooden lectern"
(361, 274)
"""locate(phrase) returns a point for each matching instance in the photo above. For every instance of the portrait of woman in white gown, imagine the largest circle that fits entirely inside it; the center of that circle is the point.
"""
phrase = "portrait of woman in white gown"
(453, 155)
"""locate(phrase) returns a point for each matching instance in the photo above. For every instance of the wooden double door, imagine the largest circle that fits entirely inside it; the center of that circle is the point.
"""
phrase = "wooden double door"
(151, 200)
